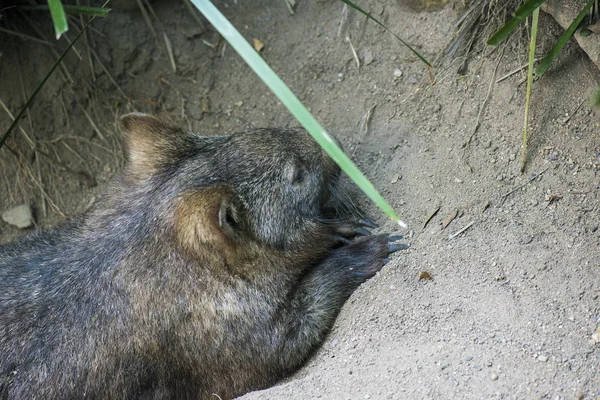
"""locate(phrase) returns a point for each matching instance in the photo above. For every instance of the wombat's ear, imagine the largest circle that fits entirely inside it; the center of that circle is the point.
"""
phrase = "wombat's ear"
(208, 216)
(151, 143)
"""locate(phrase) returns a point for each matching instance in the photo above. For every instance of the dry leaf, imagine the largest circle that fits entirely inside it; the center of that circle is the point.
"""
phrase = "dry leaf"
(431, 216)
(425, 275)
(449, 219)
(258, 45)
(486, 205)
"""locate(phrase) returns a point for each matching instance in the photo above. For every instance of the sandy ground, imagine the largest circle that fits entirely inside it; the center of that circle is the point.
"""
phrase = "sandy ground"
(514, 299)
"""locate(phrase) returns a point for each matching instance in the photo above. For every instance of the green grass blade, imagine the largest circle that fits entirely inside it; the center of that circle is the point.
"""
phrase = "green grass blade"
(84, 10)
(368, 15)
(260, 67)
(534, 25)
(12, 126)
(520, 14)
(59, 18)
(562, 40)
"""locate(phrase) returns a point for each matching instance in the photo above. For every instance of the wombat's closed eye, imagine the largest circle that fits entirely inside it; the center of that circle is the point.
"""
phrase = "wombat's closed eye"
(211, 265)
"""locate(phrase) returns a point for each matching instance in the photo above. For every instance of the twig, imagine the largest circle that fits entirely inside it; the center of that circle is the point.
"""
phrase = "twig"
(533, 177)
(485, 101)
(470, 224)
(364, 123)
(393, 115)
(194, 13)
(108, 74)
(24, 36)
(87, 45)
(366, 119)
(356, 59)
(290, 5)
(37, 160)
(28, 139)
(27, 169)
(77, 53)
(92, 123)
(573, 113)
(170, 52)
(76, 138)
(511, 73)
(343, 19)
(39, 173)
(147, 19)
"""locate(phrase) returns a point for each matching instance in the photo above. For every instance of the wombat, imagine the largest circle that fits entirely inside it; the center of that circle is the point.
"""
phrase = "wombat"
(211, 265)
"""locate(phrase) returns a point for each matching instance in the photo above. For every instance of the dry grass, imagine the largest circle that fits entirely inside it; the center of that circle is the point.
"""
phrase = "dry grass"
(44, 156)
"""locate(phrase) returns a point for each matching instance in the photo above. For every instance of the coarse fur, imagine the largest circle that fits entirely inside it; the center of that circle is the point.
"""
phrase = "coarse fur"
(211, 265)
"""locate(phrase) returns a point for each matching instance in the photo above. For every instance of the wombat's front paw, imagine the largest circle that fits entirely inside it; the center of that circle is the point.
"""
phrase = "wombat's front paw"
(344, 233)
(366, 255)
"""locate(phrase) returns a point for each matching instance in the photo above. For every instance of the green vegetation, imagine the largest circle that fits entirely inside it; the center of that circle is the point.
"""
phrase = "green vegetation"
(527, 8)
(58, 12)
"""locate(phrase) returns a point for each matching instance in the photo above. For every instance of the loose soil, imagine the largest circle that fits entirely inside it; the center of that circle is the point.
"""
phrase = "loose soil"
(513, 303)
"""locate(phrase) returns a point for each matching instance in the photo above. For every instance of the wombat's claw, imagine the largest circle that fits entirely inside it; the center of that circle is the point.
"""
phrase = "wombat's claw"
(386, 260)
(368, 223)
(342, 240)
(362, 231)
(396, 246)
(394, 238)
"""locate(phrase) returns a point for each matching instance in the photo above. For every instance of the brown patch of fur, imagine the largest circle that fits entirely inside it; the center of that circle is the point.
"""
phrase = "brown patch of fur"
(197, 221)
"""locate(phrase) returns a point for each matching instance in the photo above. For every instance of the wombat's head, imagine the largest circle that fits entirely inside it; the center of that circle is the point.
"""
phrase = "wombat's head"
(272, 186)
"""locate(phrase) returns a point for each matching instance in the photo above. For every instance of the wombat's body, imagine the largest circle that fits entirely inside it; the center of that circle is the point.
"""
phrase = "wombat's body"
(211, 265)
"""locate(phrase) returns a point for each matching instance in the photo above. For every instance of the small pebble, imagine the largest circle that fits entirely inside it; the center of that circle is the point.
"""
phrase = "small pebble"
(468, 358)
(526, 239)
(367, 57)
(494, 377)
(579, 395)
(543, 358)
(19, 216)
(397, 73)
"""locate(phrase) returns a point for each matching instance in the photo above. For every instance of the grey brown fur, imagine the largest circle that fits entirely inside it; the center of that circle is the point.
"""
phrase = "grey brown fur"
(210, 265)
